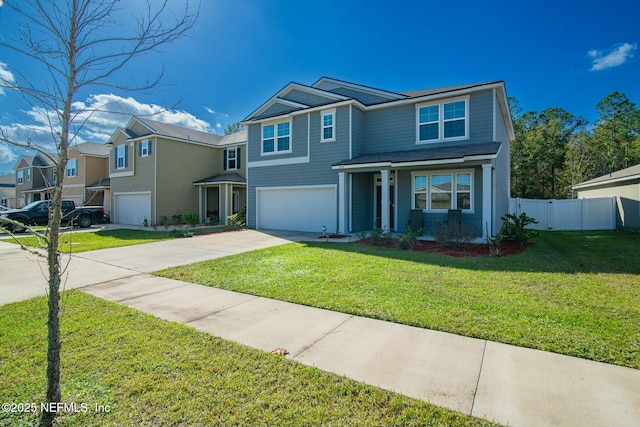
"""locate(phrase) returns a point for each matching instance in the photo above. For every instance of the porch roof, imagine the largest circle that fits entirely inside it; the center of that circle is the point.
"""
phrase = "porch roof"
(100, 185)
(225, 178)
(441, 154)
(38, 189)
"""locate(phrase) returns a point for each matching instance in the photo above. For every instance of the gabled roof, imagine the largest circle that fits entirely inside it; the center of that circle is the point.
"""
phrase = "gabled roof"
(166, 130)
(623, 175)
(328, 83)
(436, 154)
(444, 90)
(8, 180)
(37, 161)
(234, 138)
(92, 149)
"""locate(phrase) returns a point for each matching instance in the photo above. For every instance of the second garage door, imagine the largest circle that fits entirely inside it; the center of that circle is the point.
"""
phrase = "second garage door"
(132, 208)
(297, 208)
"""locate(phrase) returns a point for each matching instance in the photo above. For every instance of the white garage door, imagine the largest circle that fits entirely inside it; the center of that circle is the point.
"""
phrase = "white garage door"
(297, 209)
(132, 208)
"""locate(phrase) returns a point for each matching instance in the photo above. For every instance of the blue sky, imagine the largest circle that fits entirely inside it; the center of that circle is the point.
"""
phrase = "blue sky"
(567, 54)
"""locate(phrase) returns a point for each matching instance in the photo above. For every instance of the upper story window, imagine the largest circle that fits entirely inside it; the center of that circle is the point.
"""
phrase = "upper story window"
(328, 124)
(276, 138)
(144, 149)
(441, 191)
(20, 177)
(28, 174)
(122, 154)
(72, 168)
(232, 158)
(446, 120)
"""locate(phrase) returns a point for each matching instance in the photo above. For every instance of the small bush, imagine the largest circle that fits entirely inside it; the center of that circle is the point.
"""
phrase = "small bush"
(163, 221)
(379, 234)
(145, 222)
(238, 219)
(494, 243)
(513, 227)
(177, 218)
(407, 240)
(192, 219)
(454, 233)
(181, 232)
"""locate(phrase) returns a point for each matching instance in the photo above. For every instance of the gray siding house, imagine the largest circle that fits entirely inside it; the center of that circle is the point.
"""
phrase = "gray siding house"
(348, 157)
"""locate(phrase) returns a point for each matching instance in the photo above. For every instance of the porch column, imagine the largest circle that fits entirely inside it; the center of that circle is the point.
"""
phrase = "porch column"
(384, 216)
(487, 197)
(228, 195)
(342, 203)
(201, 217)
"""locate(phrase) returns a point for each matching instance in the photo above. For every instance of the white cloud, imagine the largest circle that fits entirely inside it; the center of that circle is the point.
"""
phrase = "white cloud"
(6, 155)
(6, 77)
(614, 58)
(209, 110)
(96, 118)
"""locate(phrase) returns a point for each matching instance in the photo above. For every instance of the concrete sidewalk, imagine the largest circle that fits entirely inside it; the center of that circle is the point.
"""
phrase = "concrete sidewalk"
(510, 385)
(507, 384)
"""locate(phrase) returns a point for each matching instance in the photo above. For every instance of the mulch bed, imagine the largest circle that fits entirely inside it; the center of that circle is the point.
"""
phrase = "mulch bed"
(507, 247)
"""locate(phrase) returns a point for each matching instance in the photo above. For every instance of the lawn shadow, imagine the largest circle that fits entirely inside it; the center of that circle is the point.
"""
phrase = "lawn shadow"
(570, 252)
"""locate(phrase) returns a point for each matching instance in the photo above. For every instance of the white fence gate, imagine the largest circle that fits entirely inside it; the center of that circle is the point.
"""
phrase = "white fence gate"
(575, 214)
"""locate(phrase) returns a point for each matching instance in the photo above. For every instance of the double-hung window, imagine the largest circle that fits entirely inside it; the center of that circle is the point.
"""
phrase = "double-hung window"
(446, 120)
(328, 124)
(121, 156)
(72, 168)
(232, 159)
(28, 174)
(144, 149)
(441, 191)
(276, 138)
(20, 177)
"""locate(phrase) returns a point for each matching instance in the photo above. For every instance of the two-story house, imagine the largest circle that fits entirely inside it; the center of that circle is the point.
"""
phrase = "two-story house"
(86, 178)
(8, 191)
(350, 157)
(160, 170)
(34, 178)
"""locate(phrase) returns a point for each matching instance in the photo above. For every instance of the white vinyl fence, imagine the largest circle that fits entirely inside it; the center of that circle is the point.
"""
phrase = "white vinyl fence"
(575, 214)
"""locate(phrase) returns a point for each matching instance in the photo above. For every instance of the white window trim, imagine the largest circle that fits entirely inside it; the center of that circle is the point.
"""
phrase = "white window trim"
(235, 158)
(124, 156)
(454, 173)
(144, 151)
(20, 177)
(28, 174)
(74, 169)
(275, 138)
(331, 112)
(441, 120)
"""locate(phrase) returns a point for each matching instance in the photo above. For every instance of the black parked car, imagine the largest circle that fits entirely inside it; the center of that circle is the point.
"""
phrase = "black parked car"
(37, 213)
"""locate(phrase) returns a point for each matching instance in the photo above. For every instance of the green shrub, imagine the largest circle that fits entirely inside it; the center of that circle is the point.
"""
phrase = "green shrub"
(407, 240)
(163, 220)
(192, 219)
(379, 234)
(145, 222)
(181, 232)
(238, 219)
(177, 218)
(513, 227)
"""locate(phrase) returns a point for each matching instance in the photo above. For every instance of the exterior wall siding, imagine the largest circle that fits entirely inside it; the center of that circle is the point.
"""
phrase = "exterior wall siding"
(179, 165)
(362, 202)
(502, 173)
(357, 132)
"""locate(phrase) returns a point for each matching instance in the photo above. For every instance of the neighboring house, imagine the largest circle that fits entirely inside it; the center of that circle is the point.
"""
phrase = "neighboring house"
(625, 186)
(8, 191)
(34, 178)
(86, 178)
(350, 157)
(157, 170)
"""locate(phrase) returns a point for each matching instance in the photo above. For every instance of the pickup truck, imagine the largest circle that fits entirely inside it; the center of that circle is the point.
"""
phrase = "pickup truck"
(37, 213)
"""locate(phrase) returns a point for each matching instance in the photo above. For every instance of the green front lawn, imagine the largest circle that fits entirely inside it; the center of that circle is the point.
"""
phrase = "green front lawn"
(575, 293)
(147, 371)
(88, 241)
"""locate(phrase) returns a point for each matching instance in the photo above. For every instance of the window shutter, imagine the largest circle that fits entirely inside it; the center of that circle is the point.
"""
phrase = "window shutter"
(238, 160)
(126, 156)
(224, 165)
(115, 157)
(139, 149)
(149, 147)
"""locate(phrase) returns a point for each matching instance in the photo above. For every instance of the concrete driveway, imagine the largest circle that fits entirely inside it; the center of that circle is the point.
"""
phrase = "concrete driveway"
(24, 275)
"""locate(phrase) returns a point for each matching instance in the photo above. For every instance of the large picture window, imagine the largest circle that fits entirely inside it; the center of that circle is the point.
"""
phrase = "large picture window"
(276, 138)
(443, 121)
(441, 191)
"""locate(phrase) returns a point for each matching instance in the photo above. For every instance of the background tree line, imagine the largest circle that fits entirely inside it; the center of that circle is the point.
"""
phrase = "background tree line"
(555, 149)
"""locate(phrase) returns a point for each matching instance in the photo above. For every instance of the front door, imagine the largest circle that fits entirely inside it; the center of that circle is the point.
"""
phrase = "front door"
(379, 206)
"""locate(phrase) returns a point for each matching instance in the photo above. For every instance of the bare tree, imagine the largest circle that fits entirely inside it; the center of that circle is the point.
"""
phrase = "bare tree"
(81, 44)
